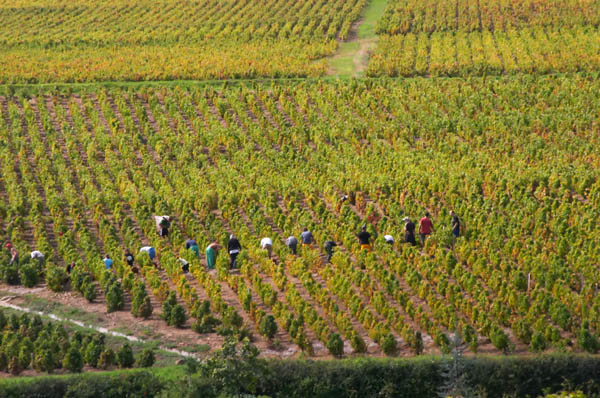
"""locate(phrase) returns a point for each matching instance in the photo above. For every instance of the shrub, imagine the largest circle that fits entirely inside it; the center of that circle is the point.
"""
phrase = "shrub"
(3, 361)
(357, 343)
(389, 344)
(232, 319)
(107, 359)
(335, 345)
(146, 309)
(418, 343)
(56, 278)
(522, 330)
(78, 278)
(167, 306)
(45, 360)
(586, 340)
(114, 297)
(141, 306)
(125, 356)
(73, 360)
(91, 352)
(267, 326)
(206, 324)
(561, 315)
(29, 275)
(146, 358)
(500, 340)
(178, 316)
(25, 353)
(10, 274)
(14, 366)
(89, 291)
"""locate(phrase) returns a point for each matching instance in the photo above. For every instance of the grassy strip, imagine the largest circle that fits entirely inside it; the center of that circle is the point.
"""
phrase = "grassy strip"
(352, 55)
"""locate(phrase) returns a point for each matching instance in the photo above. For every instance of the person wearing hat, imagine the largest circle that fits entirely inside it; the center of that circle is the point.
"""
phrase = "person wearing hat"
(234, 247)
(389, 239)
(409, 231)
(14, 254)
(364, 238)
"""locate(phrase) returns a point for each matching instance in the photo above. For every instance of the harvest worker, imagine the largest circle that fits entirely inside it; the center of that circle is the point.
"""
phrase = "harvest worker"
(234, 247)
(211, 254)
(364, 239)
(307, 237)
(292, 243)
(191, 244)
(267, 244)
(150, 251)
(409, 231)
(108, 262)
(328, 246)
(70, 267)
(455, 224)
(425, 227)
(37, 255)
(129, 258)
(185, 266)
(163, 224)
(14, 254)
(389, 239)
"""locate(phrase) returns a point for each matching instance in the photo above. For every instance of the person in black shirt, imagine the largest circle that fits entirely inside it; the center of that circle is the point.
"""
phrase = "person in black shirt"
(329, 245)
(129, 258)
(455, 224)
(364, 239)
(409, 231)
(233, 247)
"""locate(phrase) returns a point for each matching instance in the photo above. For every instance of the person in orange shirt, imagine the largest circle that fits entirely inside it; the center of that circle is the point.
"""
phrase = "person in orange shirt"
(425, 227)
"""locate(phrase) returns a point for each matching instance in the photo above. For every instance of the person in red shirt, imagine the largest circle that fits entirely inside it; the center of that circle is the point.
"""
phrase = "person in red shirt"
(425, 227)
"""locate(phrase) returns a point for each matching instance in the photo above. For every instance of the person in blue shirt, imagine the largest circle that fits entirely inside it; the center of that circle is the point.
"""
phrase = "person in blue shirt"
(108, 262)
(306, 237)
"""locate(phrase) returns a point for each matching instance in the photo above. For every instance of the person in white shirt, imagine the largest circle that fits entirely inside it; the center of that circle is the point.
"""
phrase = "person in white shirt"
(267, 244)
(150, 250)
(36, 254)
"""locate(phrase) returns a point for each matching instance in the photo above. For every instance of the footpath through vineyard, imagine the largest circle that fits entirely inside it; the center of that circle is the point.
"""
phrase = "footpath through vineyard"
(352, 56)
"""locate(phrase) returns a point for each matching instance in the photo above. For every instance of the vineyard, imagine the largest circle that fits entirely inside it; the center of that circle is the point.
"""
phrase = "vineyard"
(486, 37)
(515, 158)
(29, 343)
(77, 41)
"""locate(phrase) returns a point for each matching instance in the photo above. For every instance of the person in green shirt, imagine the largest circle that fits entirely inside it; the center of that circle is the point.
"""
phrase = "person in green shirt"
(211, 254)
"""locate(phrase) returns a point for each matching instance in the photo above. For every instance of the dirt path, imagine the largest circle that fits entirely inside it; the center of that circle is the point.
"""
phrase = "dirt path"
(352, 56)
